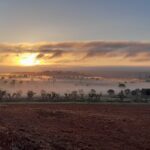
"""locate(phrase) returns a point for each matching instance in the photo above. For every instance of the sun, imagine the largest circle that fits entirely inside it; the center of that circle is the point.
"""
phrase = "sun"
(29, 60)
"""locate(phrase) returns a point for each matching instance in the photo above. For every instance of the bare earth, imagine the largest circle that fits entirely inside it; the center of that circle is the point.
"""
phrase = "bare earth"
(74, 127)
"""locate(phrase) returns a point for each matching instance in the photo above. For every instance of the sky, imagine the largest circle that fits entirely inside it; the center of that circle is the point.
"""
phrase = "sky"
(75, 32)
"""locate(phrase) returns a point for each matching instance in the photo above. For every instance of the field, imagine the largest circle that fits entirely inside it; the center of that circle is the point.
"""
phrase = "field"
(74, 127)
(16, 83)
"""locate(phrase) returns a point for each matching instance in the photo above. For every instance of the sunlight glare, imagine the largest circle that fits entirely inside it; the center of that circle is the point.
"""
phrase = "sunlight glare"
(29, 60)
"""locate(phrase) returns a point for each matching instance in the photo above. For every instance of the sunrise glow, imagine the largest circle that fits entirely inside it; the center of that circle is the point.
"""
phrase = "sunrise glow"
(29, 60)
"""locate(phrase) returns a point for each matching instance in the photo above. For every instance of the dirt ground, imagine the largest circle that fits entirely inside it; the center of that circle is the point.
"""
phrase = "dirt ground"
(74, 127)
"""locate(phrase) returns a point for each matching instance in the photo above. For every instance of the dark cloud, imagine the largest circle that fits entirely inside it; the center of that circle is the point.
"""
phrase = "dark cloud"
(56, 54)
(39, 56)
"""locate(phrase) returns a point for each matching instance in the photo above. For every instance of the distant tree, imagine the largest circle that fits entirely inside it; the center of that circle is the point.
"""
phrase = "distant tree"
(81, 94)
(92, 94)
(139, 92)
(49, 96)
(127, 92)
(121, 95)
(121, 85)
(66, 95)
(98, 96)
(2, 78)
(133, 92)
(74, 95)
(18, 94)
(13, 82)
(145, 93)
(10, 96)
(53, 96)
(43, 94)
(2, 94)
(30, 94)
(136, 94)
(111, 92)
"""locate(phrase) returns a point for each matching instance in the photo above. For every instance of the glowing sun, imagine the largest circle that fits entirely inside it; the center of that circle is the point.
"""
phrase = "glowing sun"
(29, 60)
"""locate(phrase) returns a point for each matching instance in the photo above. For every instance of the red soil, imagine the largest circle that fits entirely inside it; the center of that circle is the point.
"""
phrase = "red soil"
(74, 127)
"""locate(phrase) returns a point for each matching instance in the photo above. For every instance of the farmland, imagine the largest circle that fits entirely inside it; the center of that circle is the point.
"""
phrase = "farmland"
(74, 126)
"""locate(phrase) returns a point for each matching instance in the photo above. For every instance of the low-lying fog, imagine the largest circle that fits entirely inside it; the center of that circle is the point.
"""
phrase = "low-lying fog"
(61, 86)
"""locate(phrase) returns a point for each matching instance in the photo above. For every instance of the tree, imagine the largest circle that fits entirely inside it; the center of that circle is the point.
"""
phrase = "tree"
(10, 96)
(127, 92)
(92, 94)
(43, 94)
(111, 92)
(54, 95)
(121, 95)
(2, 78)
(66, 96)
(145, 93)
(13, 82)
(98, 96)
(133, 93)
(136, 94)
(122, 85)
(2, 94)
(30, 94)
(81, 94)
(74, 95)
(18, 94)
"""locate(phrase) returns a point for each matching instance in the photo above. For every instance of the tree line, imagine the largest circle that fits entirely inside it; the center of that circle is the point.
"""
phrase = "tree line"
(126, 95)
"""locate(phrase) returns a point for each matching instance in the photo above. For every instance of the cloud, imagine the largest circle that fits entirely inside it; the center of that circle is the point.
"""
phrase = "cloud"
(39, 56)
(91, 49)
(56, 53)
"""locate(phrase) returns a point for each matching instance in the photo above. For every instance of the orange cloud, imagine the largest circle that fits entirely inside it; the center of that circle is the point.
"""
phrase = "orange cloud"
(93, 53)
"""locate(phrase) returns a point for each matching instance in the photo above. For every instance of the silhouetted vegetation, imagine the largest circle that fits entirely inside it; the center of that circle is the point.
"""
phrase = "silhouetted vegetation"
(126, 95)
(11, 84)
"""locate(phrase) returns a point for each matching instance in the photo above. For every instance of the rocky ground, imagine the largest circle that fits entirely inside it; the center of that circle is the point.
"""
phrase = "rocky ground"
(74, 127)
